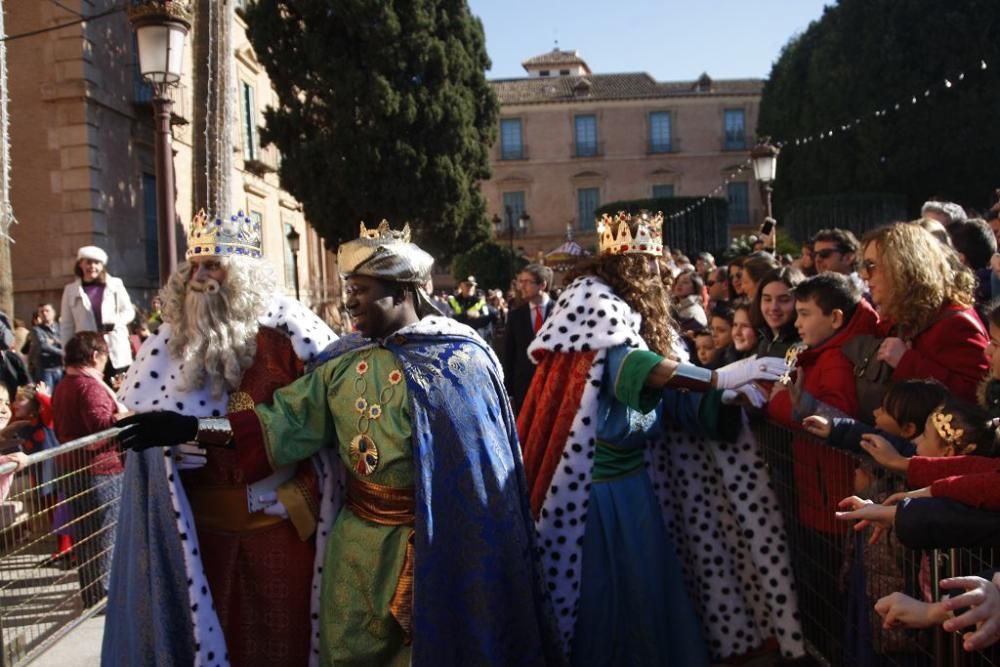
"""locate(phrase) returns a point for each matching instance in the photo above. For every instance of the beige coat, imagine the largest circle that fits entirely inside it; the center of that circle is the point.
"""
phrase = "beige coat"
(75, 314)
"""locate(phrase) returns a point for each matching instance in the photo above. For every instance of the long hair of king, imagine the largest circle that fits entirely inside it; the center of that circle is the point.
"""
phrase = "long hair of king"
(214, 333)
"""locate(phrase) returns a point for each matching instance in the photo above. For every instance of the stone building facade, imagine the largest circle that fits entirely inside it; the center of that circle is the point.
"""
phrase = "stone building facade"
(571, 140)
(82, 153)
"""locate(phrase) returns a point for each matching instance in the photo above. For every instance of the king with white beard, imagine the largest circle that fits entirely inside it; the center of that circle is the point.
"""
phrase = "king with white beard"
(214, 563)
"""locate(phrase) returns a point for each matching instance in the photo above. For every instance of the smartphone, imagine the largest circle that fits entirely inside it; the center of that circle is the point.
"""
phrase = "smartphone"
(767, 227)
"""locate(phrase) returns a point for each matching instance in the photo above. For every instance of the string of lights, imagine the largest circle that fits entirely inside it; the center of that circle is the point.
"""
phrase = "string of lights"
(900, 106)
(60, 26)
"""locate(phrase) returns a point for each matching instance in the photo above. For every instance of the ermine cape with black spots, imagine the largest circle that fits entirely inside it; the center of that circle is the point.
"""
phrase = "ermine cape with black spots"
(716, 497)
(161, 609)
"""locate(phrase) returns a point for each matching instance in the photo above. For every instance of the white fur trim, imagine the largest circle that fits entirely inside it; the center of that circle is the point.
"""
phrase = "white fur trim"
(726, 525)
(151, 384)
(588, 316)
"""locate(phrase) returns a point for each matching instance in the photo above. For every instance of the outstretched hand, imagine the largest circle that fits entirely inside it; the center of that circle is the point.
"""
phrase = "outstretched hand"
(818, 426)
(884, 453)
(982, 598)
(867, 513)
(157, 429)
(741, 372)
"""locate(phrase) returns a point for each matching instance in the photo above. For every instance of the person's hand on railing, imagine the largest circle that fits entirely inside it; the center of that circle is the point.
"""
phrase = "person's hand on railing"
(818, 426)
(157, 429)
(900, 610)
(884, 453)
(867, 513)
(748, 370)
(982, 597)
(747, 394)
(20, 459)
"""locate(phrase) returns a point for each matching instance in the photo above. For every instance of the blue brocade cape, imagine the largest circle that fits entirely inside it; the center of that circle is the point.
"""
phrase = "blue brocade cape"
(478, 592)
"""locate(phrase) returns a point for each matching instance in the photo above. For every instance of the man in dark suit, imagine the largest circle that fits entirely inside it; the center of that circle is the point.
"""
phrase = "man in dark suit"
(522, 324)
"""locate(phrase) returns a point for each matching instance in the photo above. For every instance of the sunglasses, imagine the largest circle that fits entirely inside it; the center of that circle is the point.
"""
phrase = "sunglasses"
(868, 267)
(827, 252)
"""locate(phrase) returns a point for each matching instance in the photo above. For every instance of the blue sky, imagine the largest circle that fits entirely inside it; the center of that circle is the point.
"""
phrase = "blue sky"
(670, 39)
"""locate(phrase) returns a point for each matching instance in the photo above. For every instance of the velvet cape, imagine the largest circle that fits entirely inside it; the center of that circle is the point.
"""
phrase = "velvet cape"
(478, 592)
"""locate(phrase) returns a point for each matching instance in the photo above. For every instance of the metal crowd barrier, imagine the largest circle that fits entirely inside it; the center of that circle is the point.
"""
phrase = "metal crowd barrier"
(44, 593)
(840, 577)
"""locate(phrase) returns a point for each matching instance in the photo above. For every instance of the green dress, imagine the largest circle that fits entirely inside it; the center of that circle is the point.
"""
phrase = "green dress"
(359, 392)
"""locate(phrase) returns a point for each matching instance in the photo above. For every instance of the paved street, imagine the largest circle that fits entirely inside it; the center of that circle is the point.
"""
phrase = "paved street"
(80, 648)
(36, 597)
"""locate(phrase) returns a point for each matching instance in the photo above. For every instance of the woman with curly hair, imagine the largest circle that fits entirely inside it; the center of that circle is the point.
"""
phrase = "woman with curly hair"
(924, 296)
(606, 358)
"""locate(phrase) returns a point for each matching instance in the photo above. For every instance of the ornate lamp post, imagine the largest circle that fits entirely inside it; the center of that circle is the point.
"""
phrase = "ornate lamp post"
(520, 226)
(161, 27)
(293, 245)
(765, 168)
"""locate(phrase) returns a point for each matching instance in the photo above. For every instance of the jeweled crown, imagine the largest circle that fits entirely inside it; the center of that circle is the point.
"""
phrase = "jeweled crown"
(616, 236)
(237, 235)
(383, 233)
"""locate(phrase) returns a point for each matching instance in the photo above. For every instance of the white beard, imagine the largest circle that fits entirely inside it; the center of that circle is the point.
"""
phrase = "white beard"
(214, 344)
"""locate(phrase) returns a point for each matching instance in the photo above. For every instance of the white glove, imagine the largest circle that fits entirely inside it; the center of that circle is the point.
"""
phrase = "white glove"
(750, 393)
(189, 456)
(275, 507)
(741, 372)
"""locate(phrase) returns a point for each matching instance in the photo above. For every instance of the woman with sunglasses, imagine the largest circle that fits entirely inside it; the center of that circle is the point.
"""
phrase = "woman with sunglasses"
(924, 296)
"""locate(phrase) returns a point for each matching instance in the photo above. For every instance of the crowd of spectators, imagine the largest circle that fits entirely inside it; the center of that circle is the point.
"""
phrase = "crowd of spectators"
(895, 346)
(895, 340)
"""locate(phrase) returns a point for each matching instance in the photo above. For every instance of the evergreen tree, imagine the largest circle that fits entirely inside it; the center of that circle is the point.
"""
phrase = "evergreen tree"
(384, 112)
(867, 55)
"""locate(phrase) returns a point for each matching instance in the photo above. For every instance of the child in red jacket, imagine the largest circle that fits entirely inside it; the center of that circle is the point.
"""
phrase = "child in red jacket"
(830, 311)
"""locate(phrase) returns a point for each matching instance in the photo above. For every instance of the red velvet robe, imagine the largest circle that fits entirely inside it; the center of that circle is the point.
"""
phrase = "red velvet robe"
(261, 579)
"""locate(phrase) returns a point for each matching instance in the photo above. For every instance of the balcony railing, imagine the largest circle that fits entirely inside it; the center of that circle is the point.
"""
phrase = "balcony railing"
(587, 149)
(514, 152)
(669, 146)
(734, 142)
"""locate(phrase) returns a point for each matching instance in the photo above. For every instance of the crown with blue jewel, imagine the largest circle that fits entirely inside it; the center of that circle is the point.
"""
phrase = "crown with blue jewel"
(236, 235)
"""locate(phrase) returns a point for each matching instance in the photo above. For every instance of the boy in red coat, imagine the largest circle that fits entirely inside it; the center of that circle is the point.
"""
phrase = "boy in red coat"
(830, 311)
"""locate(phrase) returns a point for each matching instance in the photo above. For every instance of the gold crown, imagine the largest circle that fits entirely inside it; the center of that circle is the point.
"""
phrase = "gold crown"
(383, 233)
(648, 238)
(942, 424)
(239, 235)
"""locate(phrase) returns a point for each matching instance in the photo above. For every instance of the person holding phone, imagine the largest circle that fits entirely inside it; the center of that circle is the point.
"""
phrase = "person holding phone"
(768, 234)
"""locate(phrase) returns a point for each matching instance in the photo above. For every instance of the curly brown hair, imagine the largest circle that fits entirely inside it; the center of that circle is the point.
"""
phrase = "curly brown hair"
(923, 275)
(644, 291)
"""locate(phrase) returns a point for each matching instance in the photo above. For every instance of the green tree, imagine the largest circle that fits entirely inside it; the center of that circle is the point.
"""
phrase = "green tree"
(868, 55)
(383, 111)
(493, 265)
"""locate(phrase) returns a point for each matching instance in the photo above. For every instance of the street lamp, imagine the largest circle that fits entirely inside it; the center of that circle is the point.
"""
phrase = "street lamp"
(293, 245)
(765, 169)
(161, 27)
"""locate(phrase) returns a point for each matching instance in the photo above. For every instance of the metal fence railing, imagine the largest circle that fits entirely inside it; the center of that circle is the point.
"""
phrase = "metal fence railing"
(44, 593)
(840, 576)
(56, 531)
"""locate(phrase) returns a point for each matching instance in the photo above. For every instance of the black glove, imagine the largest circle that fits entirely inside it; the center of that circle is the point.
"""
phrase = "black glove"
(157, 429)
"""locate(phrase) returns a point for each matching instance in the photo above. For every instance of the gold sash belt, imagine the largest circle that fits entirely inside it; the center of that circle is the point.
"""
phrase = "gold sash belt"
(223, 508)
(388, 506)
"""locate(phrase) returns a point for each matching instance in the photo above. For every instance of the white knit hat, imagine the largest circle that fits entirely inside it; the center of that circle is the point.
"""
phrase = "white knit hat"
(92, 252)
